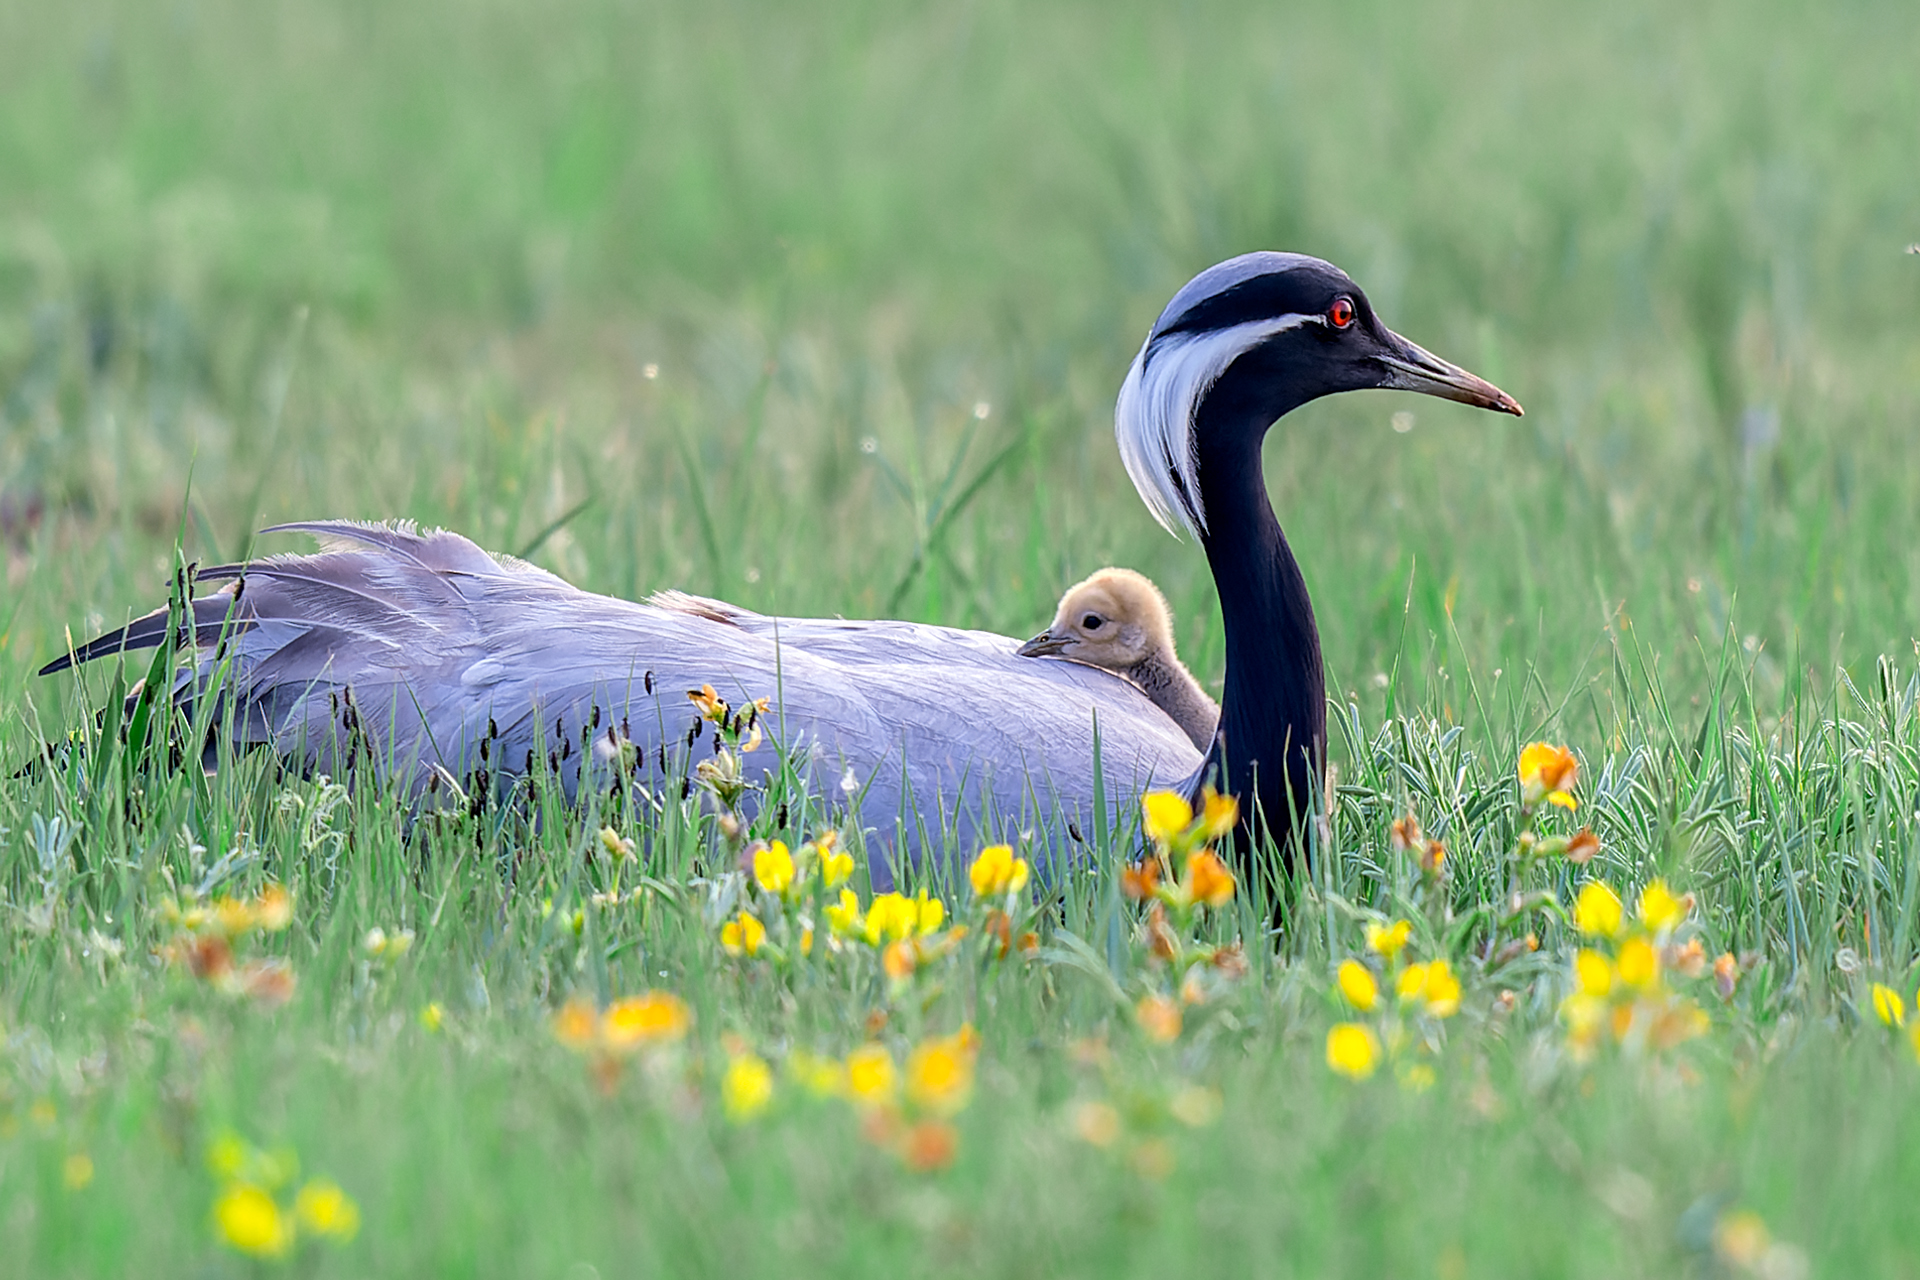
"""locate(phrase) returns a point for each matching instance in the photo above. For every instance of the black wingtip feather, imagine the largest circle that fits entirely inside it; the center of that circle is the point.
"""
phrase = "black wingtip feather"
(211, 618)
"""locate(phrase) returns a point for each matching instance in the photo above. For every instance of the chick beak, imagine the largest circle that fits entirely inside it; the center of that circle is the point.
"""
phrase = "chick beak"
(1045, 645)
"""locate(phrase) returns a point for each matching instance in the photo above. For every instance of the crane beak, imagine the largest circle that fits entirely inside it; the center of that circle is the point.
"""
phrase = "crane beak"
(1045, 645)
(1411, 367)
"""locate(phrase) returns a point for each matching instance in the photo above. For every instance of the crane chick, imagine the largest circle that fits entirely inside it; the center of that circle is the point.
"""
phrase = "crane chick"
(1118, 620)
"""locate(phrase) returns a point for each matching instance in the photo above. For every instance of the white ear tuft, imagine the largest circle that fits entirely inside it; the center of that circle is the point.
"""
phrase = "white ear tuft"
(1154, 417)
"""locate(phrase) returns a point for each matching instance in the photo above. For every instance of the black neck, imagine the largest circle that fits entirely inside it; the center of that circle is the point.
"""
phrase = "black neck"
(1271, 745)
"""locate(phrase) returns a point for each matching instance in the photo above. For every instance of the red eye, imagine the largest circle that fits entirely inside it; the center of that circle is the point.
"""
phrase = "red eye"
(1340, 314)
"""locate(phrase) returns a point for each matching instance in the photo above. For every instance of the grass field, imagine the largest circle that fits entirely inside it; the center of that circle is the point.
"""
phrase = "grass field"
(822, 310)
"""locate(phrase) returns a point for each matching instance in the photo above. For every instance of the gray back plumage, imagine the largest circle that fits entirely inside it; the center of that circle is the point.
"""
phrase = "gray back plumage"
(418, 648)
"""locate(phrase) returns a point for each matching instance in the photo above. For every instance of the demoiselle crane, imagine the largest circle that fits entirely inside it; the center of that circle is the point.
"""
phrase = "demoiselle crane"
(434, 660)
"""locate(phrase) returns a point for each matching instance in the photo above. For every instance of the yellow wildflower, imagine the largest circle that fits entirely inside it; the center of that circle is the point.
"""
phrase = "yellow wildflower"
(1593, 976)
(1208, 880)
(1218, 815)
(1159, 1017)
(1638, 962)
(997, 871)
(743, 936)
(940, 1072)
(1415, 1077)
(1353, 1050)
(895, 916)
(870, 1075)
(1388, 939)
(835, 865)
(649, 1018)
(1167, 815)
(1597, 910)
(1889, 1005)
(846, 918)
(1660, 911)
(1412, 982)
(773, 868)
(747, 1087)
(234, 917)
(822, 1077)
(1585, 1015)
(248, 1220)
(1443, 990)
(1547, 773)
(77, 1171)
(432, 1016)
(325, 1210)
(1358, 986)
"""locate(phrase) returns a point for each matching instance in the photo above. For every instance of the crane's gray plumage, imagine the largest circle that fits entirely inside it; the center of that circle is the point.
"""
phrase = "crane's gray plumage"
(423, 646)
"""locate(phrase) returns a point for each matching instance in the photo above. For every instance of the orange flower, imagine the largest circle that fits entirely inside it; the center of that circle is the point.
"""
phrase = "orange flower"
(650, 1018)
(1159, 1017)
(1547, 773)
(711, 705)
(899, 960)
(1583, 845)
(929, 1146)
(575, 1025)
(1405, 834)
(1140, 880)
(1726, 975)
(1208, 880)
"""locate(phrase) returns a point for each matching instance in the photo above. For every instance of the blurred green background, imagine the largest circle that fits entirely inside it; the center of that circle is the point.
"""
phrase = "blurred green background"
(743, 277)
(822, 308)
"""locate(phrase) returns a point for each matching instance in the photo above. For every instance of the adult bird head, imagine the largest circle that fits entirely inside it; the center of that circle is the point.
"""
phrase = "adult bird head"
(1249, 340)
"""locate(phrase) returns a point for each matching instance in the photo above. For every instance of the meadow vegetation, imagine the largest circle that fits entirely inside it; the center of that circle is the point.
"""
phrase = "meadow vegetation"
(822, 309)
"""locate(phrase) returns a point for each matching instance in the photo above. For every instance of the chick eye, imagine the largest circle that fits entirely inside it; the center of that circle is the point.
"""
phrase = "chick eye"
(1092, 622)
(1340, 314)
